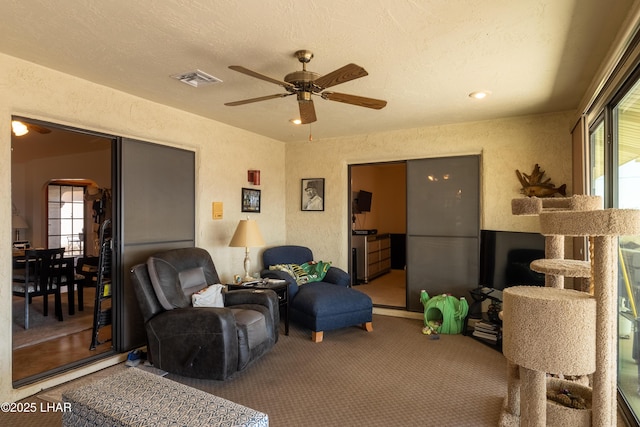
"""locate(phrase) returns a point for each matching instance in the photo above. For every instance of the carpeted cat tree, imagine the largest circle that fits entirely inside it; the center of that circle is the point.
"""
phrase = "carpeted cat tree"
(553, 335)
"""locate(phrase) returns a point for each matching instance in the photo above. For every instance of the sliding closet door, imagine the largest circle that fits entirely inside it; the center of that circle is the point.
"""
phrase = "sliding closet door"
(156, 211)
(443, 226)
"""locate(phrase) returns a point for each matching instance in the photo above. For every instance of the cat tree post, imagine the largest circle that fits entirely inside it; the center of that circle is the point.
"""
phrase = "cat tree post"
(512, 402)
(606, 292)
(554, 249)
(603, 226)
(533, 408)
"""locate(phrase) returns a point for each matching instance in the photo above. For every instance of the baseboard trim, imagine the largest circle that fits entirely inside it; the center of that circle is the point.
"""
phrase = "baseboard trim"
(397, 313)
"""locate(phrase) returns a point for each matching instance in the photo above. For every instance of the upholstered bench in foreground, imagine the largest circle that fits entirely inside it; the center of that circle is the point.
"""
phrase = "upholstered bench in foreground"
(135, 397)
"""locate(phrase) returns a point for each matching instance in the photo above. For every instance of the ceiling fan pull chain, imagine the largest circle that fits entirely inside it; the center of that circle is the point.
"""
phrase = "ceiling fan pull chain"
(310, 136)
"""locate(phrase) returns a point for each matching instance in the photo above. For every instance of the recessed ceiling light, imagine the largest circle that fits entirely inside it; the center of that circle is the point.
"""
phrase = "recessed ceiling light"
(480, 94)
(296, 121)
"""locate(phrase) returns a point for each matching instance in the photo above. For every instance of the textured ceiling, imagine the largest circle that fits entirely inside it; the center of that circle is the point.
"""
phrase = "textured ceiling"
(423, 57)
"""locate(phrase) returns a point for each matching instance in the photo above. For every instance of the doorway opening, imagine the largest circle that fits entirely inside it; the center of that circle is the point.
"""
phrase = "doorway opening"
(378, 232)
(53, 169)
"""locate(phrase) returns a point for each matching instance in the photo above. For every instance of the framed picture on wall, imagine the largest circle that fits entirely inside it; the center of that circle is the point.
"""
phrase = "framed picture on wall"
(250, 200)
(312, 194)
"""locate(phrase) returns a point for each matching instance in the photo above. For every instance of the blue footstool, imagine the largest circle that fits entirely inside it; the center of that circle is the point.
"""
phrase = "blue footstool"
(319, 306)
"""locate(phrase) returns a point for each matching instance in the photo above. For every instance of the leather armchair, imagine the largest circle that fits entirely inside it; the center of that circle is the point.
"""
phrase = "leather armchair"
(201, 342)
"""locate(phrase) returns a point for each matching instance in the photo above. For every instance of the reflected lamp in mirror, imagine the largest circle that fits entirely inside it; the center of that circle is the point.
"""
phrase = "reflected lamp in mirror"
(247, 236)
(18, 223)
(19, 128)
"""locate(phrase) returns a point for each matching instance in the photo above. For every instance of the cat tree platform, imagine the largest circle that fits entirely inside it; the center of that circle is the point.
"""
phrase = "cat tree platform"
(537, 205)
(547, 321)
(562, 267)
(548, 330)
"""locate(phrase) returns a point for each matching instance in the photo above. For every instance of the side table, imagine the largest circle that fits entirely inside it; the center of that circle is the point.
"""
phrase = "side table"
(281, 289)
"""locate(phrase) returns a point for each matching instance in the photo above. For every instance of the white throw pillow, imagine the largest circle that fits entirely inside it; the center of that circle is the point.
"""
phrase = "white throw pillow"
(210, 296)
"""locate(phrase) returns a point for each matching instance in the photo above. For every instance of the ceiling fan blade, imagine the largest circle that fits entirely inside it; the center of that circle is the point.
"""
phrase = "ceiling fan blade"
(307, 112)
(341, 75)
(262, 98)
(38, 128)
(251, 73)
(360, 101)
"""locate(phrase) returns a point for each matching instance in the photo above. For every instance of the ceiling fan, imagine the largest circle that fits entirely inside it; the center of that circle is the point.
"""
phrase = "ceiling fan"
(305, 83)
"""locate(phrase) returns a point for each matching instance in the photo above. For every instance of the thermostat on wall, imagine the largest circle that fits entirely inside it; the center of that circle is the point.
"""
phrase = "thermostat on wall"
(216, 210)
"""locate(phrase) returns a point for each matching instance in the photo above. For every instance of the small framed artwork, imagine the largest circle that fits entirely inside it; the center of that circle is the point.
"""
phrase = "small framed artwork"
(312, 194)
(250, 200)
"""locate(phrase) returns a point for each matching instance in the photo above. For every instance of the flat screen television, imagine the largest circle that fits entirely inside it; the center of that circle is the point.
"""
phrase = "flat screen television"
(363, 201)
(505, 257)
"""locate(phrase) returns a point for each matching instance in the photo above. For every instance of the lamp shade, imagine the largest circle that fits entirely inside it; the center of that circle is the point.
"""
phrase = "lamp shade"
(18, 222)
(247, 235)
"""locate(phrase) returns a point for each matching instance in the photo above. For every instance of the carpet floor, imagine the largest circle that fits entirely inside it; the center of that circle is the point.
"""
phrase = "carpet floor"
(393, 375)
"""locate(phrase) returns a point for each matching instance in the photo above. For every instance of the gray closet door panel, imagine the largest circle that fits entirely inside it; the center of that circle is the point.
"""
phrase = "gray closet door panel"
(443, 196)
(443, 226)
(158, 193)
(157, 212)
(440, 265)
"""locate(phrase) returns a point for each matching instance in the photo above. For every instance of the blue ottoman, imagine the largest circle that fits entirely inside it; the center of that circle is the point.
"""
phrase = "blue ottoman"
(319, 306)
(322, 306)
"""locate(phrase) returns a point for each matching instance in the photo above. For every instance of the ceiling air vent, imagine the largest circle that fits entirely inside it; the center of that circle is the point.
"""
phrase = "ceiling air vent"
(197, 78)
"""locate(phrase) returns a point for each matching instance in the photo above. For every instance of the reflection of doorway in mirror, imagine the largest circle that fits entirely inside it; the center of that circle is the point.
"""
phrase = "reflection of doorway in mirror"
(83, 159)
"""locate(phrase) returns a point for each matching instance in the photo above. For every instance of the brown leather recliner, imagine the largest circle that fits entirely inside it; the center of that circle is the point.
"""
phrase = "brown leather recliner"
(201, 342)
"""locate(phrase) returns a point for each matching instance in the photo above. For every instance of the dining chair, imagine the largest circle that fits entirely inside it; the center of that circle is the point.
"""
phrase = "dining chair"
(86, 276)
(70, 279)
(43, 270)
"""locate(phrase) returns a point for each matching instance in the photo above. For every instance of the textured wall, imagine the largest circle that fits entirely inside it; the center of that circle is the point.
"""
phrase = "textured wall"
(505, 145)
(223, 156)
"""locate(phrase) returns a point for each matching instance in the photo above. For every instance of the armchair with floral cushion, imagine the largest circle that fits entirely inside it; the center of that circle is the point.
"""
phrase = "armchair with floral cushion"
(320, 296)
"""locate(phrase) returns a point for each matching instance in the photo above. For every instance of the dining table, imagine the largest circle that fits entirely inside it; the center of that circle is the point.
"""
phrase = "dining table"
(19, 260)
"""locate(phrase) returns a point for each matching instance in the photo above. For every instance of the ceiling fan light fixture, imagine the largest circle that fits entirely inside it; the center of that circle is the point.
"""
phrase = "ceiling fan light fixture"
(19, 128)
(479, 94)
(197, 78)
(296, 121)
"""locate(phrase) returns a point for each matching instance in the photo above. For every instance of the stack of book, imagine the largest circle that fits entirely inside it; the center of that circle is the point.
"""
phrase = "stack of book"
(487, 331)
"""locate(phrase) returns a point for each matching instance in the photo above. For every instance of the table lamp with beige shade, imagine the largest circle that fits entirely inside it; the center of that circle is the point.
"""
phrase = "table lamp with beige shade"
(247, 236)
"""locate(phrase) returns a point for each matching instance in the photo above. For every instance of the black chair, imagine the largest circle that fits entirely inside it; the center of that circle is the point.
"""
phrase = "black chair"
(43, 271)
(70, 279)
(201, 342)
(86, 276)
